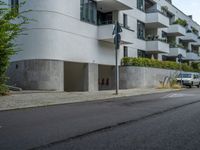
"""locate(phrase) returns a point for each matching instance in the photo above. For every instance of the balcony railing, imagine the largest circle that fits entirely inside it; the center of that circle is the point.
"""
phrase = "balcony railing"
(191, 56)
(157, 46)
(176, 30)
(105, 34)
(111, 22)
(175, 51)
(156, 19)
(156, 11)
(106, 22)
(197, 43)
(189, 37)
(113, 5)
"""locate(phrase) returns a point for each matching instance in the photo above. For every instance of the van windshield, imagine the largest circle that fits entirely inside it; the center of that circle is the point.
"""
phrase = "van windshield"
(185, 75)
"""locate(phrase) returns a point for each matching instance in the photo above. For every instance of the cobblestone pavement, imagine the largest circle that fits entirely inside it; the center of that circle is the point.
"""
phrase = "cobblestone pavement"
(26, 99)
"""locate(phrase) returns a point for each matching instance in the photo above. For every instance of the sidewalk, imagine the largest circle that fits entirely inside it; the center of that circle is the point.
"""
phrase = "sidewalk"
(27, 99)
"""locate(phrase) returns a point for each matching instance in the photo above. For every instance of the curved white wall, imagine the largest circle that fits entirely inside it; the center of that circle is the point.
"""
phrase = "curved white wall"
(59, 34)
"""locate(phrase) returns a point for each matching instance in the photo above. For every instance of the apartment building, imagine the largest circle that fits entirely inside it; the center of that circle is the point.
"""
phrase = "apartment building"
(70, 45)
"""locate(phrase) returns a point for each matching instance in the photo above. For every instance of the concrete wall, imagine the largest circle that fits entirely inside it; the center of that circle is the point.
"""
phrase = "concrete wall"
(37, 75)
(53, 75)
(141, 77)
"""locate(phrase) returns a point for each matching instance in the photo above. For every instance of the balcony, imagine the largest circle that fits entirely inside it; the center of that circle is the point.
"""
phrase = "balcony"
(191, 56)
(189, 37)
(157, 47)
(113, 5)
(197, 43)
(176, 51)
(156, 20)
(105, 34)
(176, 30)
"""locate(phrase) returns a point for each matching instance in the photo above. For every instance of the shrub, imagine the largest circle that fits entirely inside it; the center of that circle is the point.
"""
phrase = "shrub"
(181, 22)
(196, 65)
(3, 89)
(11, 26)
(146, 62)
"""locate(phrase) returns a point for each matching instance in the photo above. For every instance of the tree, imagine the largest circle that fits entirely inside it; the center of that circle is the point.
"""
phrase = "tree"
(11, 26)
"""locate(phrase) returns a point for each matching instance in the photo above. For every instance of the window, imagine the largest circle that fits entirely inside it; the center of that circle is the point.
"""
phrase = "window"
(164, 34)
(185, 75)
(141, 54)
(15, 5)
(104, 18)
(89, 11)
(125, 20)
(140, 5)
(125, 51)
(140, 30)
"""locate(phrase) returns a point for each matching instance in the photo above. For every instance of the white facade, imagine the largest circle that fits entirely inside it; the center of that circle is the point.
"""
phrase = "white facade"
(58, 32)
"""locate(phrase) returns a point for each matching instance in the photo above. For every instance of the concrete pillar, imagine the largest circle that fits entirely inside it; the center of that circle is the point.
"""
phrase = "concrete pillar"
(160, 57)
(92, 75)
(190, 47)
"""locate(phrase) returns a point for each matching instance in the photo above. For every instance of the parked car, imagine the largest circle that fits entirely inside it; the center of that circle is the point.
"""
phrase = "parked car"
(189, 79)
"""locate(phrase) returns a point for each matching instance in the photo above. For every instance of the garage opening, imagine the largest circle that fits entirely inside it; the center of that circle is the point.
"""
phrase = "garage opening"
(75, 77)
(106, 77)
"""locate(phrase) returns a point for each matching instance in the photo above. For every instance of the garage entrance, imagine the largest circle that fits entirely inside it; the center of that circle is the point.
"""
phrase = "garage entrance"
(106, 77)
(75, 77)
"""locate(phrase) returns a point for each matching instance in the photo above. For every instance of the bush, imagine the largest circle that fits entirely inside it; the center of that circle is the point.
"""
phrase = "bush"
(196, 65)
(3, 90)
(146, 62)
(11, 26)
(181, 22)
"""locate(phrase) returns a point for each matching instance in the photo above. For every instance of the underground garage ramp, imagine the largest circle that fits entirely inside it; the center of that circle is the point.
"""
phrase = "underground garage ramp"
(75, 77)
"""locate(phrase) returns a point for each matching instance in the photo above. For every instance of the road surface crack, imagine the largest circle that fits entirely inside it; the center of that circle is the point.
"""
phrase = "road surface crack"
(107, 128)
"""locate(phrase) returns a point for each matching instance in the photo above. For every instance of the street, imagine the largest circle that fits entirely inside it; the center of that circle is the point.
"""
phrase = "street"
(165, 121)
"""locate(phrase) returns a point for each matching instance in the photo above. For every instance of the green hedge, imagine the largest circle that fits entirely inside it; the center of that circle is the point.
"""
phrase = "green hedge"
(146, 62)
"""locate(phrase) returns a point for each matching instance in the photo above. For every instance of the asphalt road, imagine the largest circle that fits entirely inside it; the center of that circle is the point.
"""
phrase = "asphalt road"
(167, 121)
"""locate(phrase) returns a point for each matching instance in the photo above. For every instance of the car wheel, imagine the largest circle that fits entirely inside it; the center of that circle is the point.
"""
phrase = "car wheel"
(190, 86)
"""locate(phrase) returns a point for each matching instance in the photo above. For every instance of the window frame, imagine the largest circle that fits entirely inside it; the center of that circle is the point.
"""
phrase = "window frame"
(125, 51)
(125, 20)
(15, 5)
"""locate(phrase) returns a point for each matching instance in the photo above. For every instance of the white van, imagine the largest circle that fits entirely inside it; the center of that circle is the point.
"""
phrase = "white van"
(189, 79)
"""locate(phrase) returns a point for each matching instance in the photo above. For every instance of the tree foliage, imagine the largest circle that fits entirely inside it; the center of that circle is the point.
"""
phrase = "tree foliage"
(11, 26)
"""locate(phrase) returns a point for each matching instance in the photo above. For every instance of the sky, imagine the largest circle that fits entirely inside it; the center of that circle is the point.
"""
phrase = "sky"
(190, 7)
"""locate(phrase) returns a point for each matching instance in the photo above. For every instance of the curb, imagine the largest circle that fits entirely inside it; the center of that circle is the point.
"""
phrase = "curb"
(86, 101)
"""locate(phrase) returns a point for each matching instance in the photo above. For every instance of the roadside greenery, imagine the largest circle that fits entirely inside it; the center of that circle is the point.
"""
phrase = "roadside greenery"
(146, 62)
(196, 65)
(11, 26)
